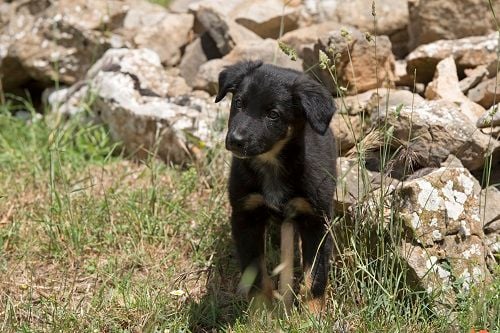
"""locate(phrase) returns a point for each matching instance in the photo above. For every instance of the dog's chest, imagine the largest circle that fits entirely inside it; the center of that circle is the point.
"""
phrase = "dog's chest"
(276, 188)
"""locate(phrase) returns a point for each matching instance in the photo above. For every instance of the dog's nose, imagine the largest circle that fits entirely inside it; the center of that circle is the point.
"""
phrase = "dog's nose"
(235, 141)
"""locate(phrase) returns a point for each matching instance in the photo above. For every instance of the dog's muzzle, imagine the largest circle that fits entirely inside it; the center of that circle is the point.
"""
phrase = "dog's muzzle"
(235, 143)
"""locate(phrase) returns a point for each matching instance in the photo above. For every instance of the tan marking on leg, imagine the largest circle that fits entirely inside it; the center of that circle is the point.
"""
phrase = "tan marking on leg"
(264, 296)
(253, 201)
(297, 206)
(287, 252)
(314, 305)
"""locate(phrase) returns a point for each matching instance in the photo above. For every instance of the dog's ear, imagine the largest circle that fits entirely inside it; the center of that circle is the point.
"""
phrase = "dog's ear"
(232, 75)
(315, 101)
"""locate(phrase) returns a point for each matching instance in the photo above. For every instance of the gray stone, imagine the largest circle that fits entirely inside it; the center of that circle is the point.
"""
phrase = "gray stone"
(299, 38)
(485, 93)
(438, 129)
(132, 95)
(226, 33)
(356, 68)
(196, 54)
(151, 26)
(468, 52)
(445, 246)
(266, 50)
(491, 118)
(432, 20)
(446, 86)
(267, 17)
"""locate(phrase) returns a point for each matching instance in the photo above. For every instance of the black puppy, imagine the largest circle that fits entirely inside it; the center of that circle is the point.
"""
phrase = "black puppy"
(283, 166)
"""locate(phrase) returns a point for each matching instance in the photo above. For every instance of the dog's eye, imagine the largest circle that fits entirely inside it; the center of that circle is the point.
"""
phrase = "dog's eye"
(273, 115)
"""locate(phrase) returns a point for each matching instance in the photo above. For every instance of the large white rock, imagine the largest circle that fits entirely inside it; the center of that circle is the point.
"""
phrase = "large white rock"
(132, 95)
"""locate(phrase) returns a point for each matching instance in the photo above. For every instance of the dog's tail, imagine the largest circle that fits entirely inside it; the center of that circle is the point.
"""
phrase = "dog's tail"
(287, 253)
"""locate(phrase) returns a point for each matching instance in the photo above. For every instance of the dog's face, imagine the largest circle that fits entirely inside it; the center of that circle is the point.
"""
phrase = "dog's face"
(268, 104)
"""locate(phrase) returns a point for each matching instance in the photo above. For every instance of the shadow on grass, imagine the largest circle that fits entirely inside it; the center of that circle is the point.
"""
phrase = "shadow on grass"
(221, 306)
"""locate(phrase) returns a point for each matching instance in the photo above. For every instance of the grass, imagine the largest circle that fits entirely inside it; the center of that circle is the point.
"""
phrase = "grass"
(163, 3)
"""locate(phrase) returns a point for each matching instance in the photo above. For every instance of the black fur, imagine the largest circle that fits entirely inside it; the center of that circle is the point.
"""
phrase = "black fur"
(283, 149)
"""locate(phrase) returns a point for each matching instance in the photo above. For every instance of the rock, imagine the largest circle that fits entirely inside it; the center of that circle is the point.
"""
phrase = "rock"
(347, 130)
(392, 18)
(151, 26)
(223, 7)
(208, 75)
(364, 73)
(196, 54)
(490, 118)
(403, 78)
(447, 19)
(369, 103)
(356, 184)
(446, 86)
(131, 96)
(226, 33)
(490, 210)
(181, 6)
(438, 129)
(468, 52)
(53, 42)
(299, 38)
(264, 50)
(485, 93)
(267, 17)
(473, 77)
(444, 247)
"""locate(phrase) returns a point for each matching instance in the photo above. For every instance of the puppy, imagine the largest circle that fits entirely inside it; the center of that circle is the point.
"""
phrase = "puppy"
(283, 167)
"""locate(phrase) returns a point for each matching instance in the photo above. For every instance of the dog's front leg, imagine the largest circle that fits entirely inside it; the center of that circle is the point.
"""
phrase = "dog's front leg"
(316, 250)
(248, 228)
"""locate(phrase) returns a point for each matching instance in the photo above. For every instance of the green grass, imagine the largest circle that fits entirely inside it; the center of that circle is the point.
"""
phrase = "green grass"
(163, 3)
(93, 242)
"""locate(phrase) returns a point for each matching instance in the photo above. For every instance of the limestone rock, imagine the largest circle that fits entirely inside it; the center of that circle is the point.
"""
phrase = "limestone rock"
(131, 93)
(265, 50)
(446, 86)
(372, 100)
(299, 38)
(51, 42)
(226, 33)
(490, 118)
(265, 17)
(365, 72)
(490, 210)
(356, 184)
(432, 20)
(196, 54)
(392, 18)
(468, 52)
(485, 93)
(151, 26)
(347, 130)
(438, 129)
(445, 245)
(473, 77)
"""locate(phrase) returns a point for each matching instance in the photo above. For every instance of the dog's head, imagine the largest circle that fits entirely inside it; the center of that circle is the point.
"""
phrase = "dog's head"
(269, 104)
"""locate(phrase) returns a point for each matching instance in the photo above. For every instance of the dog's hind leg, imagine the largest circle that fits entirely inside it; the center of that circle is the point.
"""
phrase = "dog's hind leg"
(248, 228)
